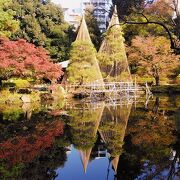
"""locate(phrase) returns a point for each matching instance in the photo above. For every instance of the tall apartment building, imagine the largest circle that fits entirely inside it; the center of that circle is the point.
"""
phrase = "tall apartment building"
(101, 11)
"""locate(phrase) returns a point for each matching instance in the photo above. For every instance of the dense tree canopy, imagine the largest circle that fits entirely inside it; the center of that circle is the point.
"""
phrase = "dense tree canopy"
(125, 7)
(112, 56)
(157, 18)
(42, 23)
(22, 59)
(7, 24)
(152, 56)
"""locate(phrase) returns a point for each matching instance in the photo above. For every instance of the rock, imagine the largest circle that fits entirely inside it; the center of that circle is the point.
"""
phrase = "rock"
(46, 97)
(25, 99)
(81, 95)
(25, 128)
(24, 91)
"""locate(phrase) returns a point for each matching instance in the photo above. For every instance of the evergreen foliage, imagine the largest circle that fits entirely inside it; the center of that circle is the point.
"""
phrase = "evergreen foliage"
(112, 56)
(42, 23)
(7, 24)
(84, 67)
(81, 69)
(140, 11)
(125, 7)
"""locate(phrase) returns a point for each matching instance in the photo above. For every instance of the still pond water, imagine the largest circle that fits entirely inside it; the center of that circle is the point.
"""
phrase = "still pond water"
(91, 141)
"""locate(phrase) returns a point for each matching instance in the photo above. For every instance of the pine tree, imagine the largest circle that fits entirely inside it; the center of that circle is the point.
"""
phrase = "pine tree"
(84, 67)
(112, 56)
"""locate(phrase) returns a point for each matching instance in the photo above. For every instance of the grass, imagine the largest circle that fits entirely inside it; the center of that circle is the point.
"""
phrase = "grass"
(14, 98)
(17, 83)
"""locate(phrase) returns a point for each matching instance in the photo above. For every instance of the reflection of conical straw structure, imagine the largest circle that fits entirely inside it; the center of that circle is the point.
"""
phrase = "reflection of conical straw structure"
(112, 130)
(114, 117)
(83, 59)
(85, 123)
(85, 155)
(115, 162)
(112, 56)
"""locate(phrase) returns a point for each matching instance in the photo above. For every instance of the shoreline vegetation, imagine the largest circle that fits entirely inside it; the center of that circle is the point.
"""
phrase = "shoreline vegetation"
(166, 89)
(43, 93)
(35, 39)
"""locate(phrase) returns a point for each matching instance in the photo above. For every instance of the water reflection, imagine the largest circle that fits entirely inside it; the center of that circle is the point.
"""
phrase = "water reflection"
(91, 141)
(151, 135)
(112, 130)
(84, 123)
(28, 148)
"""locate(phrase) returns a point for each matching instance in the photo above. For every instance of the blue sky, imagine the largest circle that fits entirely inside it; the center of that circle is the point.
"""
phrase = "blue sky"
(68, 3)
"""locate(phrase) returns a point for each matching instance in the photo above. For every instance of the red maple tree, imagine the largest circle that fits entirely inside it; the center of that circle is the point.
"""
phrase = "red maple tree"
(22, 59)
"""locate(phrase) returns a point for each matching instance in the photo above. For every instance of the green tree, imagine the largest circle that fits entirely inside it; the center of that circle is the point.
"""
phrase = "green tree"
(112, 56)
(125, 7)
(42, 23)
(81, 69)
(146, 23)
(150, 18)
(7, 24)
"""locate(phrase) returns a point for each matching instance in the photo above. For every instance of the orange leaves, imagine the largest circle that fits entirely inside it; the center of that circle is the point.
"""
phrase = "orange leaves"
(161, 8)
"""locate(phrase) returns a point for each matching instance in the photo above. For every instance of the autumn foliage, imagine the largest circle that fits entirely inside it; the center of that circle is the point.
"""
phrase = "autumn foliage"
(23, 59)
(154, 58)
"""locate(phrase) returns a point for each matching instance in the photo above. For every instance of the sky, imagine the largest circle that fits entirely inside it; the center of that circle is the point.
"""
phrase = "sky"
(68, 3)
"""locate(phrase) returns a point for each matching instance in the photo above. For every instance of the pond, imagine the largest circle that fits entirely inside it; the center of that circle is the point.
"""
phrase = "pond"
(84, 141)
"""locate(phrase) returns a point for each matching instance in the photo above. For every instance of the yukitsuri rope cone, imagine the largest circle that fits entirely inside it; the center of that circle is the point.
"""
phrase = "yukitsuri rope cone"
(112, 55)
(84, 67)
(112, 130)
(83, 127)
(86, 153)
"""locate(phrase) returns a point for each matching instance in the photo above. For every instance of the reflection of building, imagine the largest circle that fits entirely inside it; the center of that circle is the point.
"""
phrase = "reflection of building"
(101, 11)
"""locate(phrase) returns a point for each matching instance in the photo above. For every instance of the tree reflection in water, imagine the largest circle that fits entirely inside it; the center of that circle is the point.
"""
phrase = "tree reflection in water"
(140, 147)
(84, 125)
(29, 148)
(141, 143)
(110, 124)
(150, 137)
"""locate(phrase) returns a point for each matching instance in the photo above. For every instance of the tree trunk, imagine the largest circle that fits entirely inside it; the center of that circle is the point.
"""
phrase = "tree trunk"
(0, 82)
(156, 106)
(177, 27)
(155, 71)
(157, 80)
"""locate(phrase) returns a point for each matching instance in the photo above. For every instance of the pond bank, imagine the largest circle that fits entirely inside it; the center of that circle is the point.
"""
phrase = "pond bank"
(166, 89)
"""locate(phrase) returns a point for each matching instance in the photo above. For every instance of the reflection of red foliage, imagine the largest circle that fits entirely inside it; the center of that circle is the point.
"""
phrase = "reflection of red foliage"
(24, 149)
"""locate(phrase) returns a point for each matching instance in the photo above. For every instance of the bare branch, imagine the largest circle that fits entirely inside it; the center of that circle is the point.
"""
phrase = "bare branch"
(147, 20)
(173, 46)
